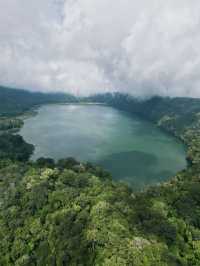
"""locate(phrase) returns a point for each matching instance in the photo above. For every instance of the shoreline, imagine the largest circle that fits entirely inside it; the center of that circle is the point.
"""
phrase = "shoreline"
(34, 112)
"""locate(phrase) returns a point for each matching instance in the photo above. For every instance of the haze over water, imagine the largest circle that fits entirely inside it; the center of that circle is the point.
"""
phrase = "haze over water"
(133, 150)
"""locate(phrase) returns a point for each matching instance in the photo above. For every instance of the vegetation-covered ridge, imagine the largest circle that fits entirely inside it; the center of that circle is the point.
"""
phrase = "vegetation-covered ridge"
(73, 214)
(68, 213)
(14, 103)
(17, 101)
(10, 125)
(178, 116)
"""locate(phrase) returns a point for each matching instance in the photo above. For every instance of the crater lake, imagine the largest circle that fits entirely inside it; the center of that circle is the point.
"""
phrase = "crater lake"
(131, 149)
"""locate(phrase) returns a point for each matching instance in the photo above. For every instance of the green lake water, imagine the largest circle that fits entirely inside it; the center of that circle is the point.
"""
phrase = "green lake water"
(133, 150)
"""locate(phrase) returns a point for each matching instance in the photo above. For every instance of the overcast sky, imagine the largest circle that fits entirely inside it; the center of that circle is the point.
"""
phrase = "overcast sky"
(85, 46)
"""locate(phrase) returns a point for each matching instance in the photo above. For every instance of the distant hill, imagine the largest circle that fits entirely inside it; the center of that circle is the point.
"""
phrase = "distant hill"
(178, 113)
(16, 101)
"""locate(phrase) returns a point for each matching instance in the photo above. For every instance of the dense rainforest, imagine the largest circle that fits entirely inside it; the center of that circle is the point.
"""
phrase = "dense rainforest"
(72, 213)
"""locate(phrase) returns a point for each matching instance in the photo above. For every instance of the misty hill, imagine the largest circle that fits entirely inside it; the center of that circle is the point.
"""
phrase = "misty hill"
(177, 112)
(17, 101)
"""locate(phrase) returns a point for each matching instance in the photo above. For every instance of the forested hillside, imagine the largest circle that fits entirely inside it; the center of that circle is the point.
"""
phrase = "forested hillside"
(178, 116)
(16, 101)
(69, 213)
(178, 112)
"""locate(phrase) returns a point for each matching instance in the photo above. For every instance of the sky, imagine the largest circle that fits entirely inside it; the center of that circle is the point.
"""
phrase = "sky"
(84, 47)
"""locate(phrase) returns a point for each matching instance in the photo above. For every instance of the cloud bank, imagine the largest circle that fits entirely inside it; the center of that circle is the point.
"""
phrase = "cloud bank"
(87, 46)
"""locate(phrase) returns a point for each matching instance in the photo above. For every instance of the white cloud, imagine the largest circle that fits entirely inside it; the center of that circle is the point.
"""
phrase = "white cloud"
(141, 47)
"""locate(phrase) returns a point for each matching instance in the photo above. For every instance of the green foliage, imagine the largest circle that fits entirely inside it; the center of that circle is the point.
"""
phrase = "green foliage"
(45, 162)
(17, 101)
(14, 147)
(11, 125)
(62, 217)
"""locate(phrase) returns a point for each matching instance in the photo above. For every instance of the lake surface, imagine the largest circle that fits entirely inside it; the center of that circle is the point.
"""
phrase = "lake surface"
(133, 150)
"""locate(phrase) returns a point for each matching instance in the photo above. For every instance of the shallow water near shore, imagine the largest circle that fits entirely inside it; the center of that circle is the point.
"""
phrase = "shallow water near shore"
(133, 150)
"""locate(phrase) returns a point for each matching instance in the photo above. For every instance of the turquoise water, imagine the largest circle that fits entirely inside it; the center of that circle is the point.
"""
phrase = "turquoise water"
(133, 150)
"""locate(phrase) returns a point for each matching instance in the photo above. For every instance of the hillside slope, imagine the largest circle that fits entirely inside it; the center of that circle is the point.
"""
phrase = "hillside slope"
(16, 101)
(178, 116)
